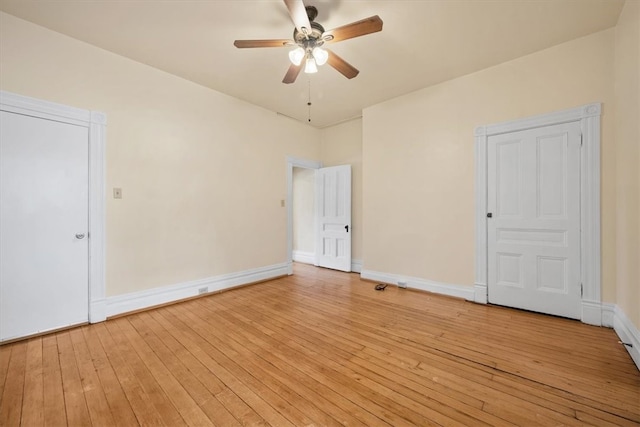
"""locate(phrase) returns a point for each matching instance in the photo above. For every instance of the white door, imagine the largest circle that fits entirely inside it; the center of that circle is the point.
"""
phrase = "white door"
(333, 201)
(533, 236)
(43, 225)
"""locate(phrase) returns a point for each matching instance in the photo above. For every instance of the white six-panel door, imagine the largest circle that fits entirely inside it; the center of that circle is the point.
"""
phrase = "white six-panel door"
(43, 225)
(333, 204)
(533, 231)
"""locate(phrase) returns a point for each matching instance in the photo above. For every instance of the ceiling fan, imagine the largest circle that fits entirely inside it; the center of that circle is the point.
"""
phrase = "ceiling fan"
(309, 38)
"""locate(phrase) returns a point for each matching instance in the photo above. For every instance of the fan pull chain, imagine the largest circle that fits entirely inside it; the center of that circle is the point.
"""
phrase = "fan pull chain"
(309, 101)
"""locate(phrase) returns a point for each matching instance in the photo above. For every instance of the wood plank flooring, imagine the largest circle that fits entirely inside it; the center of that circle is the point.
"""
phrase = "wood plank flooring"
(322, 348)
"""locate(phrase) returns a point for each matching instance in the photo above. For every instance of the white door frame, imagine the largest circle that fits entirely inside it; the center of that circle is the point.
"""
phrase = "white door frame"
(96, 123)
(590, 256)
(297, 163)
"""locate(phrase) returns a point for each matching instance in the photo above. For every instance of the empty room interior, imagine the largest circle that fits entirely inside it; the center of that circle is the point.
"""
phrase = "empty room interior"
(320, 213)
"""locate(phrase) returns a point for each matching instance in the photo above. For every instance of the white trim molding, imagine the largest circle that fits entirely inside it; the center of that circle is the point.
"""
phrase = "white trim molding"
(293, 162)
(589, 118)
(628, 333)
(141, 300)
(310, 258)
(304, 257)
(96, 123)
(608, 312)
(614, 317)
(458, 291)
(480, 293)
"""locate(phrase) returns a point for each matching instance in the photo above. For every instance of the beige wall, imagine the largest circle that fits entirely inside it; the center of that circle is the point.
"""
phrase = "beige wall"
(303, 210)
(201, 198)
(202, 173)
(342, 145)
(418, 156)
(627, 134)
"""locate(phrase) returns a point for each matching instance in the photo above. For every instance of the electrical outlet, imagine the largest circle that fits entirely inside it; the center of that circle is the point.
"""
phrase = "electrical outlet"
(203, 290)
(117, 193)
(402, 285)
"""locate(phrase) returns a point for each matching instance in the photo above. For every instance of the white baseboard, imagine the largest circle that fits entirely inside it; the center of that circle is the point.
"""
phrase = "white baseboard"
(133, 301)
(459, 291)
(98, 310)
(310, 258)
(591, 312)
(628, 333)
(480, 293)
(608, 313)
(304, 257)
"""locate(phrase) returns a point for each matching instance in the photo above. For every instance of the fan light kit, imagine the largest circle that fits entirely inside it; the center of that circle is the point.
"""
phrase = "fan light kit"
(316, 56)
(310, 37)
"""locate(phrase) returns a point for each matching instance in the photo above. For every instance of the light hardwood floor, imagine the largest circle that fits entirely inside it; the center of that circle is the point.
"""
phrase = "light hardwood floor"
(322, 348)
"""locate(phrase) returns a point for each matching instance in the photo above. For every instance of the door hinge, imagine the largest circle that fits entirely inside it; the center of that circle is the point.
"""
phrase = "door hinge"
(581, 290)
(581, 140)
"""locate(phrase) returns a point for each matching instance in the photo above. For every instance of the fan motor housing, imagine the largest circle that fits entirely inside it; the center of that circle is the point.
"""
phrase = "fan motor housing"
(315, 34)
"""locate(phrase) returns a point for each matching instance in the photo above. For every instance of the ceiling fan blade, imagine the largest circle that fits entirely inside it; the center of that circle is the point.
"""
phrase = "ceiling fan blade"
(298, 14)
(373, 24)
(262, 43)
(346, 69)
(292, 73)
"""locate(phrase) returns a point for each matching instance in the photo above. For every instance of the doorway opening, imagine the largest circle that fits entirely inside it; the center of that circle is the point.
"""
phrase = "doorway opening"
(304, 193)
(305, 171)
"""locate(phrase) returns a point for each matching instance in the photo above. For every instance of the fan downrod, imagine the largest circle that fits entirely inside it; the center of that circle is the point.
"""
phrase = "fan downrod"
(312, 12)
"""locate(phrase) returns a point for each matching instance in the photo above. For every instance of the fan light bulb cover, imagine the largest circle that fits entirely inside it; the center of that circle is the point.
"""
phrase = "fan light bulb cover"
(296, 56)
(320, 55)
(310, 66)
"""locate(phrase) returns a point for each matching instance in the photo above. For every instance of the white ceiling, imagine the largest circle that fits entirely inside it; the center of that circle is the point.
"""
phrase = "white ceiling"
(422, 42)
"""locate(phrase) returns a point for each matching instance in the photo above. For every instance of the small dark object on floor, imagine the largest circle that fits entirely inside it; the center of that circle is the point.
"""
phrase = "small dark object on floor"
(381, 287)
